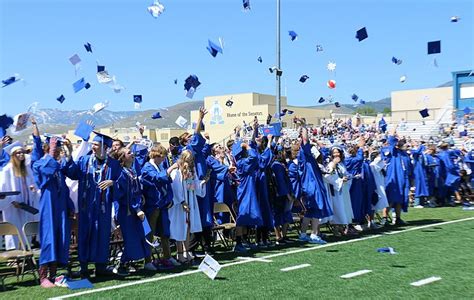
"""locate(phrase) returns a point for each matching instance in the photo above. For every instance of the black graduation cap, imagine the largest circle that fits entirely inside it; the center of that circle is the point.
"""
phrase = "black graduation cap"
(103, 139)
(321, 100)
(354, 97)
(246, 4)
(137, 98)
(88, 47)
(361, 34)
(176, 81)
(434, 47)
(156, 115)
(290, 112)
(100, 68)
(304, 78)
(337, 104)
(259, 59)
(87, 85)
(424, 113)
(191, 82)
(5, 122)
(61, 98)
(229, 103)
(213, 48)
(396, 60)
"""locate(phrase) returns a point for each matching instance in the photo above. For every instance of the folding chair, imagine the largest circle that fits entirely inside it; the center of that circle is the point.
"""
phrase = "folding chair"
(219, 228)
(116, 245)
(31, 229)
(17, 258)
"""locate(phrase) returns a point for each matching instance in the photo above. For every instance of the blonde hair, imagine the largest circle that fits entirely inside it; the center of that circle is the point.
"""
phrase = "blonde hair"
(186, 164)
(158, 151)
(19, 166)
(119, 155)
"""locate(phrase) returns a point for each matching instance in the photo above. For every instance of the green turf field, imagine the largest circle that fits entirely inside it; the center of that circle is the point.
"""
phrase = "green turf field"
(444, 251)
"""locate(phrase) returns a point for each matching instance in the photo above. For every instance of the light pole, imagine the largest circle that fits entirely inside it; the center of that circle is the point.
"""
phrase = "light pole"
(278, 74)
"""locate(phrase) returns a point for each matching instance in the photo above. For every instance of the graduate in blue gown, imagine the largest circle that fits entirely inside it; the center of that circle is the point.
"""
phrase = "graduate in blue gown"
(265, 186)
(156, 183)
(96, 173)
(56, 207)
(397, 178)
(420, 170)
(432, 165)
(128, 194)
(354, 163)
(314, 191)
(449, 172)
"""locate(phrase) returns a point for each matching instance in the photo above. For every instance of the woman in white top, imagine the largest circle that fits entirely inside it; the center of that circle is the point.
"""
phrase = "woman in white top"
(18, 176)
(377, 166)
(184, 214)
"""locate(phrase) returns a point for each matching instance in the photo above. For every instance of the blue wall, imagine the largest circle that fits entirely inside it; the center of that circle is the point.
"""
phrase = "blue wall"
(459, 78)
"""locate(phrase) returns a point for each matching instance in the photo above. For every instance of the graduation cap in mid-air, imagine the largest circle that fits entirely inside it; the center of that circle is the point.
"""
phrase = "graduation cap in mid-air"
(181, 122)
(259, 59)
(213, 48)
(5, 122)
(293, 35)
(176, 81)
(304, 78)
(337, 104)
(190, 85)
(87, 85)
(424, 113)
(137, 98)
(455, 19)
(88, 47)
(467, 110)
(156, 116)
(434, 47)
(10, 80)
(321, 100)
(396, 60)
(79, 85)
(246, 4)
(84, 130)
(354, 97)
(100, 68)
(229, 102)
(361, 34)
(61, 99)
(319, 48)
(75, 59)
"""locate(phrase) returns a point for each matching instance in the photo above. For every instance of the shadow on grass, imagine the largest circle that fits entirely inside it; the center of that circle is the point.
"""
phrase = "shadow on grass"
(398, 266)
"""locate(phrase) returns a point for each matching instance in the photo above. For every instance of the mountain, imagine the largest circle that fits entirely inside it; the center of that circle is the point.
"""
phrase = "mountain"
(377, 106)
(68, 118)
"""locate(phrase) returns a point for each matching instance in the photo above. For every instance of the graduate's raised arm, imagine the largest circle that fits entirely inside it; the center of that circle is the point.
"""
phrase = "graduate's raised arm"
(202, 113)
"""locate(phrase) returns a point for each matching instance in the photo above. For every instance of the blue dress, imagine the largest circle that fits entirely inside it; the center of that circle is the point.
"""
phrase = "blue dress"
(95, 206)
(354, 165)
(249, 209)
(128, 195)
(313, 189)
(55, 208)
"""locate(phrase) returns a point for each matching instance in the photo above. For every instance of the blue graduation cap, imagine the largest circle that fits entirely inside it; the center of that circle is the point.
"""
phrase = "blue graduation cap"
(79, 284)
(354, 97)
(87, 85)
(361, 34)
(337, 104)
(137, 98)
(84, 130)
(5, 122)
(289, 112)
(434, 47)
(176, 81)
(293, 35)
(467, 110)
(259, 59)
(213, 49)
(321, 100)
(10, 80)
(396, 60)
(386, 250)
(156, 116)
(100, 68)
(88, 47)
(103, 139)
(361, 101)
(424, 113)
(237, 149)
(48, 137)
(61, 98)
(304, 78)
(79, 85)
(455, 19)
(191, 82)
(246, 4)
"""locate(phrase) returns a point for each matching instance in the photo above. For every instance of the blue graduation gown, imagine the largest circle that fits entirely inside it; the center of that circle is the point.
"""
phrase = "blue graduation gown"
(313, 189)
(354, 165)
(369, 188)
(200, 151)
(396, 180)
(449, 170)
(95, 207)
(264, 196)
(4, 158)
(431, 173)
(128, 195)
(249, 209)
(294, 174)
(55, 207)
(220, 188)
(281, 209)
(420, 172)
(155, 188)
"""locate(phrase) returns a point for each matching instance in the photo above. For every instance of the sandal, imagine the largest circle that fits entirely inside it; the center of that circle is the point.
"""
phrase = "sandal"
(180, 258)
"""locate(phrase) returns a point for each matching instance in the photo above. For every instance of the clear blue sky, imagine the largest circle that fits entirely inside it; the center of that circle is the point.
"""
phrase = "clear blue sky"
(147, 54)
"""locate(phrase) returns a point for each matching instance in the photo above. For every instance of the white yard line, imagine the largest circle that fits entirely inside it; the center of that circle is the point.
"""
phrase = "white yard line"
(425, 281)
(295, 267)
(247, 261)
(354, 274)
(254, 259)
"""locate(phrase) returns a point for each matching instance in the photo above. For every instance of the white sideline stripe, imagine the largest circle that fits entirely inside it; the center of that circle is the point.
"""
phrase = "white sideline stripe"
(354, 274)
(425, 281)
(254, 259)
(295, 267)
(247, 261)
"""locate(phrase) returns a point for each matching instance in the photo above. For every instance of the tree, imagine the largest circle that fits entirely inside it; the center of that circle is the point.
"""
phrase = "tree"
(366, 111)
(387, 111)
